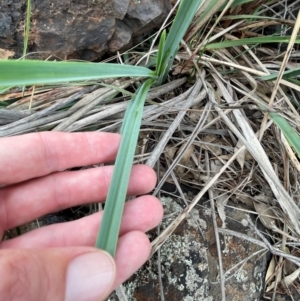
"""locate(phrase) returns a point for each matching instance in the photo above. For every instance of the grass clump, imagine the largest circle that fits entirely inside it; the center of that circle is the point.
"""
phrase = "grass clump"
(230, 131)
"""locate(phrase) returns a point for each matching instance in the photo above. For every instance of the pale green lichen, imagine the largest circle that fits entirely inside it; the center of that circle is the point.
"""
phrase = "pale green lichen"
(186, 263)
(241, 276)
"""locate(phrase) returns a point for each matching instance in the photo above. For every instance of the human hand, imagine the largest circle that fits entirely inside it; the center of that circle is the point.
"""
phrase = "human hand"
(58, 262)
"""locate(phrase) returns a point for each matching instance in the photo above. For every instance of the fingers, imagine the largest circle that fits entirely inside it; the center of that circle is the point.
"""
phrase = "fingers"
(27, 201)
(140, 214)
(132, 252)
(38, 154)
(69, 274)
(55, 274)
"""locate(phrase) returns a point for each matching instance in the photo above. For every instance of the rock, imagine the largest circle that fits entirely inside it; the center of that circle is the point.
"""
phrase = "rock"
(121, 37)
(189, 261)
(78, 29)
(12, 17)
(70, 30)
(142, 14)
(120, 7)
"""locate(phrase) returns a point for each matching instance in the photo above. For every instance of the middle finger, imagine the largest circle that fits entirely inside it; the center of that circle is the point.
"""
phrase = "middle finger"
(24, 202)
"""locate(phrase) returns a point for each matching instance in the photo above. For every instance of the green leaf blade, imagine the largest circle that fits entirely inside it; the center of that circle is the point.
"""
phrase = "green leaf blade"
(250, 41)
(27, 27)
(290, 134)
(111, 221)
(21, 73)
(161, 47)
(295, 72)
(184, 16)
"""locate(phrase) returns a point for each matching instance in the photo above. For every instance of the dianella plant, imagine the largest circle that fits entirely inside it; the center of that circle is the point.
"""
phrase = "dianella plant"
(29, 72)
(168, 45)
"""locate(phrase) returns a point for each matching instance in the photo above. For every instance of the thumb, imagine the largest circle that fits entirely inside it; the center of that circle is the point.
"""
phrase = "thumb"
(61, 274)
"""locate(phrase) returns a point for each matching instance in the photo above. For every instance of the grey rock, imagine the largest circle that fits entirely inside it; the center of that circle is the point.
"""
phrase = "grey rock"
(11, 13)
(78, 29)
(145, 14)
(189, 261)
(121, 37)
(120, 7)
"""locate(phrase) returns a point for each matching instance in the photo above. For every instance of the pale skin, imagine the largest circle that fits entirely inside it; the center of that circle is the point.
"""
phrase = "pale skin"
(34, 265)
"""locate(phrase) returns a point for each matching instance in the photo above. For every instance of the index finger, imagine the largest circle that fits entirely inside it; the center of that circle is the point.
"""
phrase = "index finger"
(38, 154)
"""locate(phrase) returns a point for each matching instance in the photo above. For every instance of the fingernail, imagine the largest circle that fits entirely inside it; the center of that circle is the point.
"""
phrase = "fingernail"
(90, 277)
